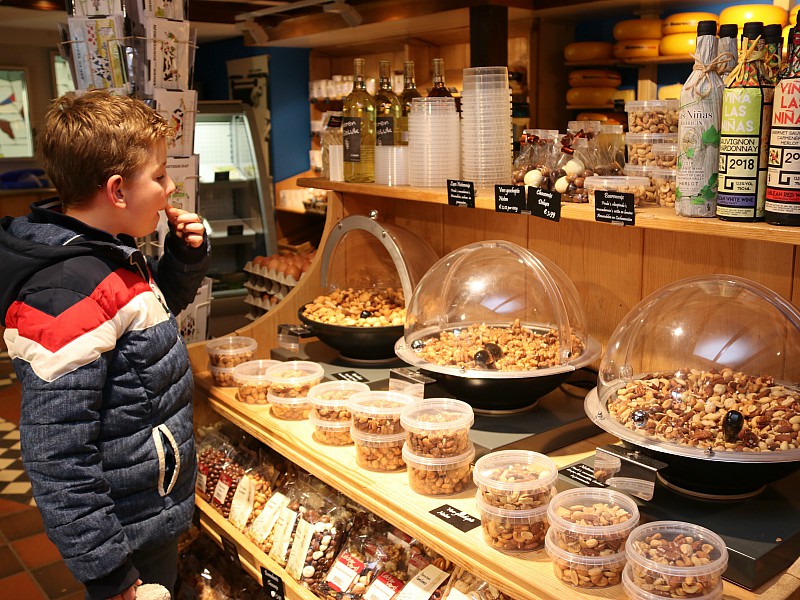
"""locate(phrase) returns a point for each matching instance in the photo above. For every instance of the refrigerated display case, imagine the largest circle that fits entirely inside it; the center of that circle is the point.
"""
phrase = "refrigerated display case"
(236, 200)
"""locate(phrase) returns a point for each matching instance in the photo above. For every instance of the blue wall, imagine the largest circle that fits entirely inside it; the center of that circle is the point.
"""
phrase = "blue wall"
(288, 97)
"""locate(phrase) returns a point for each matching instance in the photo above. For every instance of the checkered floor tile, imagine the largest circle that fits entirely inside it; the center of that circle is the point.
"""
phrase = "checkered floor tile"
(14, 484)
(7, 375)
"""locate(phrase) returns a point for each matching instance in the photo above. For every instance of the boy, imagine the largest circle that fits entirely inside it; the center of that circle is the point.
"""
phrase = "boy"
(106, 425)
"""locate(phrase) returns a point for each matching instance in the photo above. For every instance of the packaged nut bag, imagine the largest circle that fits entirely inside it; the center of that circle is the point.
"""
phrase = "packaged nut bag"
(464, 585)
(213, 451)
(253, 492)
(232, 470)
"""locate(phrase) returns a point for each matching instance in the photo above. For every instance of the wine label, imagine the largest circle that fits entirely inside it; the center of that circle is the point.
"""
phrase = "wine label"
(351, 138)
(783, 172)
(698, 149)
(384, 131)
(746, 117)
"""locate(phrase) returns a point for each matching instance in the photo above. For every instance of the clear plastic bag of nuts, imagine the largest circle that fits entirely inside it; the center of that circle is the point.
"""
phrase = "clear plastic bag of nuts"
(260, 529)
(253, 492)
(463, 583)
(232, 470)
(213, 451)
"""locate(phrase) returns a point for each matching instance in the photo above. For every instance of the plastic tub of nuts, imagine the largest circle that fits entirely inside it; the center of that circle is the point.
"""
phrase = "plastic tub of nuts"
(584, 571)
(378, 413)
(666, 155)
(515, 479)
(378, 452)
(592, 521)
(332, 433)
(222, 377)
(438, 476)
(512, 531)
(252, 381)
(622, 184)
(676, 559)
(229, 351)
(330, 399)
(640, 147)
(653, 116)
(642, 171)
(290, 409)
(293, 379)
(437, 427)
(664, 182)
(636, 593)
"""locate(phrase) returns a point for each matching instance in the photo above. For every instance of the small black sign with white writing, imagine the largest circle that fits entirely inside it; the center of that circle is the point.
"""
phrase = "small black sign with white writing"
(272, 583)
(509, 198)
(384, 131)
(351, 138)
(334, 121)
(231, 551)
(581, 474)
(544, 204)
(349, 376)
(457, 518)
(614, 207)
(460, 193)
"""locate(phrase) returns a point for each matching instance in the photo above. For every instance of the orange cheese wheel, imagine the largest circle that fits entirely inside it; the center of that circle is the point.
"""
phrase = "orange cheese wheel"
(677, 44)
(578, 51)
(594, 78)
(637, 48)
(685, 22)
(746, 13)
(637, 29)
(590, 96)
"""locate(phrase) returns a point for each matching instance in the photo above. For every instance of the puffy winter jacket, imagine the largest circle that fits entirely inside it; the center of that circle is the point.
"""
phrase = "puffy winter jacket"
(106, 426)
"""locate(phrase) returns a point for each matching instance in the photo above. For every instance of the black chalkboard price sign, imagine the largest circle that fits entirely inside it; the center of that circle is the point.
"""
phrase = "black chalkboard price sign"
(460, 193)
(614, 207)
(509, 199)
(544, 204)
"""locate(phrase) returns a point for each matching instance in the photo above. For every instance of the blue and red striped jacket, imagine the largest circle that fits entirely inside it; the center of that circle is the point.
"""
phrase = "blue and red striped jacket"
(106, 427)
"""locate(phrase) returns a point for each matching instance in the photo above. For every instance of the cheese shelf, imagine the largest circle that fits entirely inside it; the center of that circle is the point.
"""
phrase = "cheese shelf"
(647, 217)
(527, 576)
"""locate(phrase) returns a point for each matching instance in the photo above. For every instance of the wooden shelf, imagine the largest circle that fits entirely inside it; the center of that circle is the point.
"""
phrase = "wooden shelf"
(650, 217)
(527, 576)
(250, 556)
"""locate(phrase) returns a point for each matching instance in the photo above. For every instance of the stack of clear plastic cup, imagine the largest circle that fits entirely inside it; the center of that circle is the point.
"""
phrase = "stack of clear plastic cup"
(486, 128)
(433, 142)
(391, 165)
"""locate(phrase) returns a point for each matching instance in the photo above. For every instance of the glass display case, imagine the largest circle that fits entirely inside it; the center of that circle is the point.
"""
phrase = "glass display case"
(235, 199)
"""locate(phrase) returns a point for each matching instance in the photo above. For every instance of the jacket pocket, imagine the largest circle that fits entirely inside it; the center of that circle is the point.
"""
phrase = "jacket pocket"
(169, 459)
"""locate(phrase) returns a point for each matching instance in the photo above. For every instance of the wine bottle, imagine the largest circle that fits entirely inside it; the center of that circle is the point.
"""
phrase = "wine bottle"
(728, 46)
(358, 130)
(387, 109)
(439, 89)
(409, 92)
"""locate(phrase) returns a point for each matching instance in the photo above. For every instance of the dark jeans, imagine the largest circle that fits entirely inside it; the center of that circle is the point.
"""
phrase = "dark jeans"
(158, 565)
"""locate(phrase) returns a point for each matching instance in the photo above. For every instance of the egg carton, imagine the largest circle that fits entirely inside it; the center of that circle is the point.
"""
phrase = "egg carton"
(254, 269)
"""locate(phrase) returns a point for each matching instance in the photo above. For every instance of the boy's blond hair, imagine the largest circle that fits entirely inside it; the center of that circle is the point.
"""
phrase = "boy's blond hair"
(86, 139)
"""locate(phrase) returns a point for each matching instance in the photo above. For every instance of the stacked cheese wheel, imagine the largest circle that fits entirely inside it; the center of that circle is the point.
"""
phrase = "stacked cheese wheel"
(679, 32)
(637, 38)
(593, 87)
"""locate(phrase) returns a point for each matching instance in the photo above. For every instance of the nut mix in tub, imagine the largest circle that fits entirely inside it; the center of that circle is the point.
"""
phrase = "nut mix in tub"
(439, 476)
(378, 452)
(330, 399)
(252, 381)
(512, 531)
(584, 571)
(437, 427)
(515, 479)
(229, 351)
(378, 413)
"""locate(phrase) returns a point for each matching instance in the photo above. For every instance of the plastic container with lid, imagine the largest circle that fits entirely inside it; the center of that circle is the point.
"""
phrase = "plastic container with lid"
(666, 154)
(515, 479)
(442, 476)
(512, 531)
(592, 521)
(437, 427)
(330, 399)
(584, 571)
(664, 183)
(653, 116)
(229, 351)
(378, 452)
(378, 413)
(626, 184)
(293, 379)
(640, 146)
(677, 558)
(643, 171)
(222, 377)
(252, 381)
(634, 592)
(331, 433)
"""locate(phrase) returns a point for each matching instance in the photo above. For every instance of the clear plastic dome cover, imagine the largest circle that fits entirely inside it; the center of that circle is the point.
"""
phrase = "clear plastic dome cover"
(497, 284)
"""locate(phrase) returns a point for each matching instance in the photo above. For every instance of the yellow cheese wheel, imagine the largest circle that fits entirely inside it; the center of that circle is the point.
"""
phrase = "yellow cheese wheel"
(670, 92)
(793, 15)
(578, 51)
(594, 78)
(606, 118)
(636, 48)
(677, 44)
(746, 13)
(590, 96)
(637, 29)
(685, 22)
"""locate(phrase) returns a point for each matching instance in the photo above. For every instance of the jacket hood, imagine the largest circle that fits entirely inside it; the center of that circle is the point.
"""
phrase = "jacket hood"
(44, 237)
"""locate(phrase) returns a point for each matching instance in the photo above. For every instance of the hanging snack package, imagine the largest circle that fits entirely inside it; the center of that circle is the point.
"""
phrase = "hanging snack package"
(238, 462)
(260, 530)
(254, 490)
(283, 534)
(464, 585)
(213, 452)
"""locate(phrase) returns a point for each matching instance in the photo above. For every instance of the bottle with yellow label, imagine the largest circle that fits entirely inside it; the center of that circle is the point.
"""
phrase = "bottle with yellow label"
(358, 130)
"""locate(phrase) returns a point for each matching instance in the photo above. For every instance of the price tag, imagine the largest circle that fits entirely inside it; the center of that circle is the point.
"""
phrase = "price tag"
(350, 376)
(457, 518)
(614, 207)
(509, 199)
(460, 193)
(384, 587)
(351, 138)
(272, 583)
(544, 204)
(231, 551)
(582, 474)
